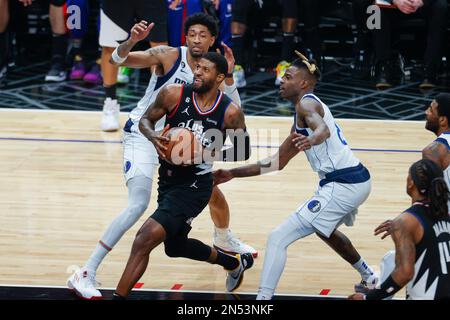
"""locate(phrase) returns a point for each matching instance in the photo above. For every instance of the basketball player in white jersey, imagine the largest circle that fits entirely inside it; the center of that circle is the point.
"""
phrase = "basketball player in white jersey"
(438, 121)
(344, 182)
(172, 65)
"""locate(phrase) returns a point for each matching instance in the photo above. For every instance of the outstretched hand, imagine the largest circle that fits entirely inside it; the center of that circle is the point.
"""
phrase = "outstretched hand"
(301, 142)
(385, 227)
(141, 30)
(228, 54)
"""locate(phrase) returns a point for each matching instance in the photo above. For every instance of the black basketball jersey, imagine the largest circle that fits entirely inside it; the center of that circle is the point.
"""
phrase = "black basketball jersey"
(432, 266)
(187, 114)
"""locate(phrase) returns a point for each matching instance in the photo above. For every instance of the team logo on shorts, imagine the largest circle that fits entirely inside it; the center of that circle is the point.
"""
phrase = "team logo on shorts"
(127, 166)
(314, 206)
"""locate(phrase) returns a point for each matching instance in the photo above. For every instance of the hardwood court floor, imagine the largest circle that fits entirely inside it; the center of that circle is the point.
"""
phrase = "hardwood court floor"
(61, 184)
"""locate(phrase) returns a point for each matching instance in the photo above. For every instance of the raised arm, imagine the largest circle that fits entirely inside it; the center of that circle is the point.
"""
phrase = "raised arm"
(163, 56)
(166, 101)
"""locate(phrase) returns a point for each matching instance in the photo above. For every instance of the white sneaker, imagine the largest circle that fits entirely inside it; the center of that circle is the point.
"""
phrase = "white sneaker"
(368, 284)
(83, 283)
(57, 73)
(239, 76)
(110, 118)
(233, 245)
(235, 277)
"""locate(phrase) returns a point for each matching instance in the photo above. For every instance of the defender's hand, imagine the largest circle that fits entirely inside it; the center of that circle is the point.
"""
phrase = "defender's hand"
(385, 227)
(141, 30)
(228, 54)
(301, 142)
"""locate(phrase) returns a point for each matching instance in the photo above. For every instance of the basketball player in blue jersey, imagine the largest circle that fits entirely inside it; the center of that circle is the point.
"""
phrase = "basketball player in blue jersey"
(184, 191)
(173, 65)
(422, 241)
(344, 182)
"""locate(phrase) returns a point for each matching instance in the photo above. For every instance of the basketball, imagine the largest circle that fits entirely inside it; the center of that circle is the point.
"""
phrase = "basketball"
(182, 148)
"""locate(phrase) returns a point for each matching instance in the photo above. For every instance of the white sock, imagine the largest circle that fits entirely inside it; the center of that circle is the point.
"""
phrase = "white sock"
(139, 191)
(96, 258)
(279, 240)
(222, 233)
(364, 270)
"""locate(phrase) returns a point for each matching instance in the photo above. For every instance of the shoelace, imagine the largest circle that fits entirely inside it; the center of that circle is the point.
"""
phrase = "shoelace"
(233, 240)
(91, 278)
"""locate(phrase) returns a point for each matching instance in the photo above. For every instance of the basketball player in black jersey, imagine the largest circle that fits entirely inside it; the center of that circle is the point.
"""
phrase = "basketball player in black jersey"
(422, 239)
(184, 191)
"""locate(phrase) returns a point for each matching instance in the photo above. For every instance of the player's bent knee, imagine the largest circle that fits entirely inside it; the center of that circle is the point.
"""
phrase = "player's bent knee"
(275, 238)
(173, 251)
(137, 210)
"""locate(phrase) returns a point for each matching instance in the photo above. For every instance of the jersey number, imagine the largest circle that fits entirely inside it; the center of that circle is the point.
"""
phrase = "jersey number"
(444, 256)
(339, 134)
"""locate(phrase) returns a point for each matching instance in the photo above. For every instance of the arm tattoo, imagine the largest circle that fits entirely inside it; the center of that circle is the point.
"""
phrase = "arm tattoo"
(158, 50)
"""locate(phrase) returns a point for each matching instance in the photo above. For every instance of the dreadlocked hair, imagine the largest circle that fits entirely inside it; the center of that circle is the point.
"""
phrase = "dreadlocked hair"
(428, 178)
(305, 63)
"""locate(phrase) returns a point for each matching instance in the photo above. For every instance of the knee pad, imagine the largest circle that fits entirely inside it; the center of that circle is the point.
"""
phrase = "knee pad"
(172, 249)
(137, 209)
(58, 3)
(275, 237)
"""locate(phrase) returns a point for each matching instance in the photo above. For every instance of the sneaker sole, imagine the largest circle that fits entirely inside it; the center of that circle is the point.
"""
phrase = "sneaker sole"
(239, 283)
(55, 79)
(79, 295)
(383, 85)
(255, 254)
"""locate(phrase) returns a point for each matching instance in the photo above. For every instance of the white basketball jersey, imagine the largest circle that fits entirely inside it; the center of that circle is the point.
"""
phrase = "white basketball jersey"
(332, 154)
(180, 73)
(445, 139)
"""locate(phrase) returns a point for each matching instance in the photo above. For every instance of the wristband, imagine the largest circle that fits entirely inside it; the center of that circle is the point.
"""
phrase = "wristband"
(229, 75)
(388, 288)
(116, 58)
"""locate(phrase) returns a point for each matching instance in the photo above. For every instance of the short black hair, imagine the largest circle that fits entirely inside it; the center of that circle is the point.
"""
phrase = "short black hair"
(443, 101)
(203, 19)
(298, 63)
(219, 61)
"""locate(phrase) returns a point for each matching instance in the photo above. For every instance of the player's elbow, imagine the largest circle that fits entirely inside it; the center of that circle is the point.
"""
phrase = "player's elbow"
(142, 124)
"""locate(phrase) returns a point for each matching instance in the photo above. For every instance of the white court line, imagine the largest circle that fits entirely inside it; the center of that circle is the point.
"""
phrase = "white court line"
(247, 116)
(182, 291)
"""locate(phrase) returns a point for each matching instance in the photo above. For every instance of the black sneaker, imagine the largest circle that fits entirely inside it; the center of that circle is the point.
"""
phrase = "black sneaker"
(383, 76)
(57, 73)
(235, 277)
